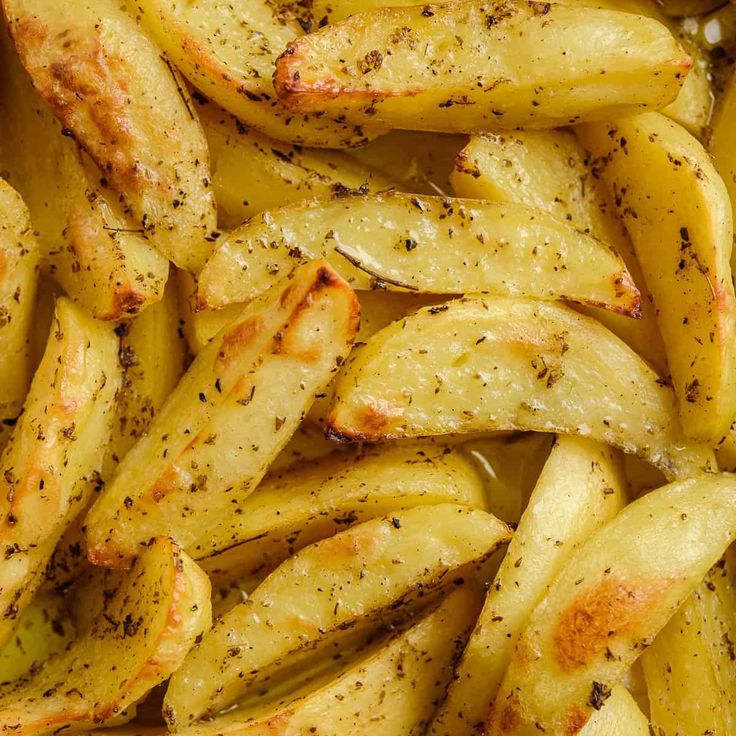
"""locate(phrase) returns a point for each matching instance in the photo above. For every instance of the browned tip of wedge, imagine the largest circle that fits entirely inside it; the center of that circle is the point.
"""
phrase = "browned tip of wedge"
(627, 294)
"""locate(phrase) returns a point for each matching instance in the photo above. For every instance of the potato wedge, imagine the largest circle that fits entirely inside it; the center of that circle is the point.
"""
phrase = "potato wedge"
(676, 208)
(128, 109)
(48, 468)
(613, 597)
(18, 277)
(581, 487)
(391, 691)
(228, 52)
(690, 668)
(302, 505)
(252, 173)
(334, 588)
(619, 716)
(498, 364)
(424, 244)
(229, 416)
(87, 243)
(145, 629)
(548, 169)
(472, 66)
(306, 444)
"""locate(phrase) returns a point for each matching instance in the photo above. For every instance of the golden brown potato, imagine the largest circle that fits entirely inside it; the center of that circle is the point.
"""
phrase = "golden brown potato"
(581, 487)
(511, 364)
(18, 276)
(128, 109)
(49, 467)
(613, 597)
(87, 243)
(312, 501)
(139, 638)
(474, 65)
(548, 169)
(229, 416)
(331, 590)
(676, 208)
(227, 50)
(422, 244)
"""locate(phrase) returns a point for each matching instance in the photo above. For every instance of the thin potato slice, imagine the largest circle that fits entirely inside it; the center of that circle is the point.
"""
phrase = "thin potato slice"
(343, 585)
(690, 668)
(87, 242)
(313, 501)
(142, 635)
(474, 65)
(548, 169)
(425, 244)
(391, 691)
(619, 716)
(229, 416)
(18, 277)
(252, 173)
(112, 91)
(609, 603)
(676, 209)
(227, 50)
(48, 468)
(511, 364)
(581, 487)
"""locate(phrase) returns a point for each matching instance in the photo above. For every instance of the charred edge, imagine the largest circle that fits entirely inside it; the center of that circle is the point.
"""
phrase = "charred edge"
(375, 274)
(336, 435)
(632, 310)
(126, 302)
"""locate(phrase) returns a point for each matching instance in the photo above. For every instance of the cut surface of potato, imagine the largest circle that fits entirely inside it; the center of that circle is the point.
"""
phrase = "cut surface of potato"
(610, 601)
(511, 364)
(126, 106)
(581, 487)
(476, 65)
(229, 416)
(676, 208)
(359, 578)
(618, 716)
(424, 244)
(141, 636)
(312, 501)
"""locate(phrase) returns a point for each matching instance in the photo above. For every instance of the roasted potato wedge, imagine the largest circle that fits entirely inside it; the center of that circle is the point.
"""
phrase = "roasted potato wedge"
(618, 716)
(613, 597)
(128, 109)
(229, 416)
(252, 172)
(511, 364)
(676, 208)
(48, 468)
(18, 278)
(473, 65)
(690, 668)
(143, 634)
(87, 242)
(393, 689)
(722, 146)
(581, 487)
(304, 504)
(228, 52)
(334, 588)
(424, 244)
(548, 169)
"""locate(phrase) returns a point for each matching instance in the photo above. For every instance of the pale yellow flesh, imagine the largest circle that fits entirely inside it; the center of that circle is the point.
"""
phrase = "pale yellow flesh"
(359, 578)
(423, 244)
(474, 66)
(139, 638)
(498, 364)
(619, 716)
(676, 209)
(312, 501)
(108, 85)
(49, 466)
(690, 669)
(228, 417)
(227, 50)
(613, 597)
(549, 170)
(581, 487)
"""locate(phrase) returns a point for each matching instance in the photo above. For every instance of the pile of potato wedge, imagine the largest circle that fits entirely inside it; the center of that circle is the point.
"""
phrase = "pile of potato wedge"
(367, 367)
